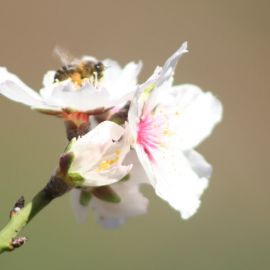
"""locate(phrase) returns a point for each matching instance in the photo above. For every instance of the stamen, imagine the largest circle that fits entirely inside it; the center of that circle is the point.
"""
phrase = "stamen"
(106, 164)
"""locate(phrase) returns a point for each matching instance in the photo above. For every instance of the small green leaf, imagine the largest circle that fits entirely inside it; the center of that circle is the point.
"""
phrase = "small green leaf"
(106, 193)
(75, 178)
(85, 197)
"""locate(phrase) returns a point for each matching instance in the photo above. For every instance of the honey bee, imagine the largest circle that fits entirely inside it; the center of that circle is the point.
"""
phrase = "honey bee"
(78, 70)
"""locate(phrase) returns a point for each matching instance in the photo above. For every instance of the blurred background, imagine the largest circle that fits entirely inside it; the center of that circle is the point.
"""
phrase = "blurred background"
(229, 55)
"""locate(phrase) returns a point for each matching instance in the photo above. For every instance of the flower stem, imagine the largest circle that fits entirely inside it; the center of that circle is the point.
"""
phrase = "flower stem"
(18, 220)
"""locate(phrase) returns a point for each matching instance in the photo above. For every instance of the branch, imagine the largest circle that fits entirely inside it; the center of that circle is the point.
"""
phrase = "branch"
(20, 216)
(77, 124)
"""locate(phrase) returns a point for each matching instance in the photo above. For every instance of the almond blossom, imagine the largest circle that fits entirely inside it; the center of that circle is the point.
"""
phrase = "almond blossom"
(116, 86)
(166, 122)
(95, 159)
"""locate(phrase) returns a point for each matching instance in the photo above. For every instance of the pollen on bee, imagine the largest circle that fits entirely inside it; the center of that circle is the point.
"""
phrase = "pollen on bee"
(76, 78)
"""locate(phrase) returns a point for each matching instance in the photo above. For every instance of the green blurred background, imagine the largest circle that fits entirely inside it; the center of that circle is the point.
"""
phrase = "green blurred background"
(229, 55)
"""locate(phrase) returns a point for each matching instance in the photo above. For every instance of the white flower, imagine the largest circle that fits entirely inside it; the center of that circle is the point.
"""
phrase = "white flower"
(116, 86)
(111, 214)
(166, 122)
(97, 156)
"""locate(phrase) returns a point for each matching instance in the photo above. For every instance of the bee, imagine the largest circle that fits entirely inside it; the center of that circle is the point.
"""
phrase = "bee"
(78, 70)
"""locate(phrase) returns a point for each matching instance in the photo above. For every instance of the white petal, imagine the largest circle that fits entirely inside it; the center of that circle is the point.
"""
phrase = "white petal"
(99, 155)
(197, 114)
(199, 164)
(100, 143)
(80, 211)
(48, 78)
(13, 88)
(137, 174)
(121, 83)
(112, 71)
(90, 148)
(95, 178)
(138, 102)
(177, 179)
(118, 80)
(103, 133)
(170, 64)
(146, 164)
(133, 203)
(160, 95)
(127, 80)
(160, 80)
(66, 95)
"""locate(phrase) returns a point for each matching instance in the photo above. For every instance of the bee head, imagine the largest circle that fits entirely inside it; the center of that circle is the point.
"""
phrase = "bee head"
(99, 67)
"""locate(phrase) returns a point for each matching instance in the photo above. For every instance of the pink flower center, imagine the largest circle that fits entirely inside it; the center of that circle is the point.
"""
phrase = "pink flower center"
(150, 130)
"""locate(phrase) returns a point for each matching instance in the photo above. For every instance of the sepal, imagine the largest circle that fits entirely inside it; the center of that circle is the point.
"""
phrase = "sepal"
(107, 194)
(65, 162)
(85, 197)
(75, 178)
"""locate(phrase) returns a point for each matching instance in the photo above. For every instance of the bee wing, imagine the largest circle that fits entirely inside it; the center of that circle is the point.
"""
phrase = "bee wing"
(64, 56)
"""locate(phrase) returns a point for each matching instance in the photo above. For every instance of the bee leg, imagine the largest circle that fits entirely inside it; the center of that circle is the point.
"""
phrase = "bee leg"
(95, 81)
